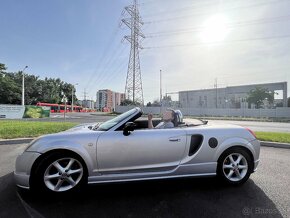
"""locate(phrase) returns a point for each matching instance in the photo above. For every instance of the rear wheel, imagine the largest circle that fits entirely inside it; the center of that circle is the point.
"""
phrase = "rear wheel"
(235, 166)
(60, 173)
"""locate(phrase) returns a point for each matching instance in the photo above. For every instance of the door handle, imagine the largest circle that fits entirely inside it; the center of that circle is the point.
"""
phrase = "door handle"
(174, 140)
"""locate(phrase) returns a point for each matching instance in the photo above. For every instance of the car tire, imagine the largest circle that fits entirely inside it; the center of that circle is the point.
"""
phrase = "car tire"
(59, 172)
(235, 166)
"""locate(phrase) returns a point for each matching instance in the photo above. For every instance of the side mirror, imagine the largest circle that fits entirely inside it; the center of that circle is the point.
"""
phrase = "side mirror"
(129, 127)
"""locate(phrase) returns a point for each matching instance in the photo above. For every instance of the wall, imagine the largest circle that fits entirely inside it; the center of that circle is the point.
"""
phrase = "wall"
(243, 112)
(18, 111)
(11, 111)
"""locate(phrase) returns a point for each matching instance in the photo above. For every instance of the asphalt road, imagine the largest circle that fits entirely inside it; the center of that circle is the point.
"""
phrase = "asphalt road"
(258, 126)
(266, 194)
(101, 117)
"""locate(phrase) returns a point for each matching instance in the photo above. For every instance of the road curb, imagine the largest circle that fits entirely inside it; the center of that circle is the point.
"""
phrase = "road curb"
(275, 144)
(15, 141)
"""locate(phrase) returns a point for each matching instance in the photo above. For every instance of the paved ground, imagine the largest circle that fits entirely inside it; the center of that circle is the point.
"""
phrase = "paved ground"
(266, 194)
(8, 154)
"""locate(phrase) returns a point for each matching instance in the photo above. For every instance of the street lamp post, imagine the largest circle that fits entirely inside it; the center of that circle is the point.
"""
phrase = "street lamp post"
(72, 97)
(64, 99)
(23, 85)
(160, 92)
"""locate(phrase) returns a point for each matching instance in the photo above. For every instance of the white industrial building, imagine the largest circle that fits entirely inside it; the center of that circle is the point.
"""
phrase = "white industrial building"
(229, 97)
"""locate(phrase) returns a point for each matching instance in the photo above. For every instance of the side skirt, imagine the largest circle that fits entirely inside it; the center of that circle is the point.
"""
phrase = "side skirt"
(186, 170)
(91, 180)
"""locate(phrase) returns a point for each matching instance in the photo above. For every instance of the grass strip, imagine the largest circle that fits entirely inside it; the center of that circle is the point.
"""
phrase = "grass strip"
(273, 136)
(10, 129)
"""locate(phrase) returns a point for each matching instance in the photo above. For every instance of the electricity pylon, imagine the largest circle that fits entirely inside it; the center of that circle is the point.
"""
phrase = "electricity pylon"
(133, 89)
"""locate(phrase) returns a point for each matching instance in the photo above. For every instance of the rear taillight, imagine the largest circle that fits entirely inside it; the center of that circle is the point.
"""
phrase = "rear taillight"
(253, 134)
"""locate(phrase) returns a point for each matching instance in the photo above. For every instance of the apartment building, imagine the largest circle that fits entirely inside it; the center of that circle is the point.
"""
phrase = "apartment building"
(107, 100)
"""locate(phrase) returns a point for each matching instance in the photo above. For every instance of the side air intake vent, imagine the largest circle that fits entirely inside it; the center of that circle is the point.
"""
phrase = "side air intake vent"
(195, 143)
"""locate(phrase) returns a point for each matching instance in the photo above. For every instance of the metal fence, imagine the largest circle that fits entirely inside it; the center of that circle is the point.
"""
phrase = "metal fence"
(280, 112)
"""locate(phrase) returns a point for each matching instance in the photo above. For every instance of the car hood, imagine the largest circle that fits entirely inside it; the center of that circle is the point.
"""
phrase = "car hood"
(83, 127)
(78, 135)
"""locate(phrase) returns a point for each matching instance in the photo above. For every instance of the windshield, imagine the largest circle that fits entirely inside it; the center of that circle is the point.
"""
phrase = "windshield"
(110, 123)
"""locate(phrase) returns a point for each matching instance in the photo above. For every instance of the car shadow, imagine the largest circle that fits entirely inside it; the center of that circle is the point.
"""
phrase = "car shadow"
(158, 198)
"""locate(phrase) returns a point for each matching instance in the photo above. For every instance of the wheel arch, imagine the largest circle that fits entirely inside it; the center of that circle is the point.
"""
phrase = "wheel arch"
(88, 154)
(239, 147)
(234, 142)
(37, 162)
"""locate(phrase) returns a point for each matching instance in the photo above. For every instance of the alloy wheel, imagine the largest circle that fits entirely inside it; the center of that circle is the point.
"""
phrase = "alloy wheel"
(235, 167)
(63, 174)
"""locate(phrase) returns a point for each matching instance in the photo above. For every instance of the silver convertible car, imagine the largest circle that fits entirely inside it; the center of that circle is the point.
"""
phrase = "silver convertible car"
(124, 149)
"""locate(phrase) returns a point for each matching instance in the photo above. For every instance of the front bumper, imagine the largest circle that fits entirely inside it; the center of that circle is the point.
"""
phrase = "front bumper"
(23, 167)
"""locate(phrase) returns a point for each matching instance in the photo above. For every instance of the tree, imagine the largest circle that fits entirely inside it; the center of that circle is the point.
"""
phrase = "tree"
(49, 90)
(2, 68)
(128, 102)
(258, 95)
(52, 90)
(156, 103)
(167, 101)
(149, 104)
(10, 92)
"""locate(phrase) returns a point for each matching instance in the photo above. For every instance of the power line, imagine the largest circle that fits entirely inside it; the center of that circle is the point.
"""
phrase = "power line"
(119, 70)
(203, 5)
(224, 42)
(105, 51)
(154, 1)
(108, 64)
(226, 9)
(229, 25)
(102, 63)
(112, 74)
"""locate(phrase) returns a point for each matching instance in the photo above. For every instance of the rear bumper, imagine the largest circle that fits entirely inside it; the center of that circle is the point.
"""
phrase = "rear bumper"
(256, 163)
(255, 144)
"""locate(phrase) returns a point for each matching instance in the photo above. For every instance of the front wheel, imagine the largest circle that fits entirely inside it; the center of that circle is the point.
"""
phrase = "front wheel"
(235, 166)
(60, 173)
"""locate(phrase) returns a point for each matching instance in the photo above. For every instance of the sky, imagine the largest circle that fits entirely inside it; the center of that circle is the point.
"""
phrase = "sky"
(193, 42)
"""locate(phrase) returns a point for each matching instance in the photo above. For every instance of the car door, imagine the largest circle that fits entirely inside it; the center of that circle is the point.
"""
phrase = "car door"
(156, 149)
